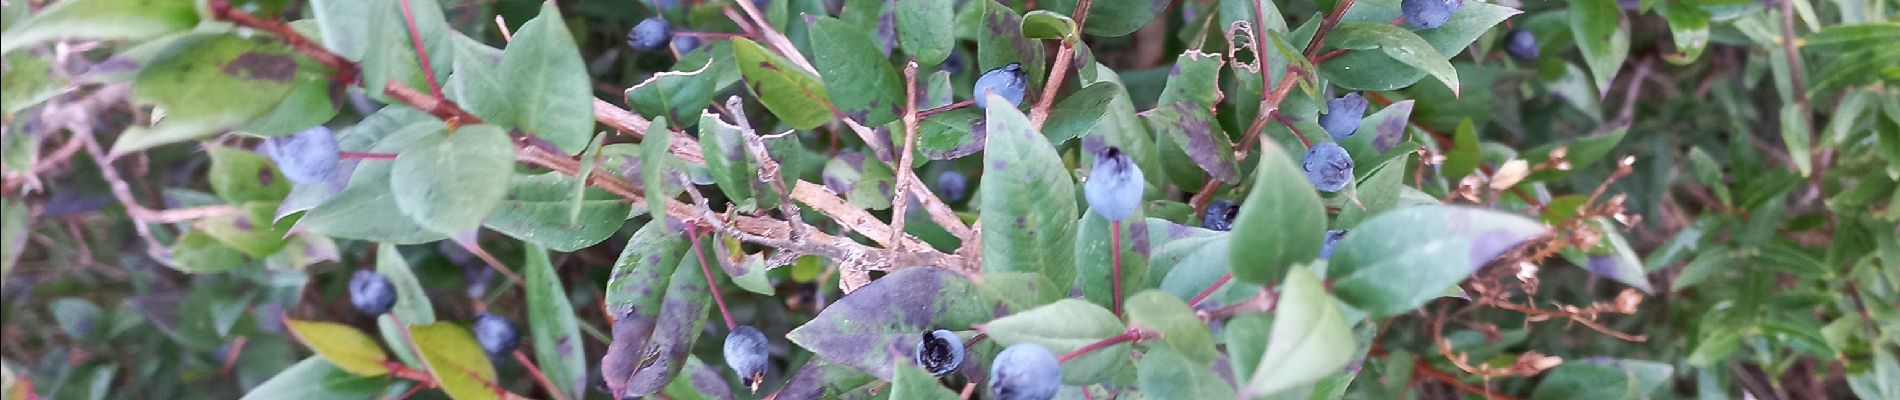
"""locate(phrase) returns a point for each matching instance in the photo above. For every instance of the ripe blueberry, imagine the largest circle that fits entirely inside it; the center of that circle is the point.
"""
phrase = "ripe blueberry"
(1114, 186)
(1025, 371)
(1332, 239)
(685, 44)
(1343, 115)
(940, 352)
(746, 354)
(650, 34)
(304, 157)
(1220, 215)
(496, 334)
(952, 64)
(1429, 14)
(1328, 167)
(1521, 44)
(953, 185)
(1008, 81)
(371, 293)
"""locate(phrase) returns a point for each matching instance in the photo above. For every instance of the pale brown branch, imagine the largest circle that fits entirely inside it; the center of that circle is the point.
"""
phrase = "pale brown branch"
(898, 201)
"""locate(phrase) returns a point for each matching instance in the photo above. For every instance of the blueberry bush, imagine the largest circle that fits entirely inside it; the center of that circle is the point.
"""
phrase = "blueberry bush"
(950, 199)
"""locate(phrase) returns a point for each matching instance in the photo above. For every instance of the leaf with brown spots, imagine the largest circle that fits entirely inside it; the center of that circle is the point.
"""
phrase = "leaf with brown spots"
(1193, 130)
(209, 83)
(552, 326)
(796, 98)
(878, 325)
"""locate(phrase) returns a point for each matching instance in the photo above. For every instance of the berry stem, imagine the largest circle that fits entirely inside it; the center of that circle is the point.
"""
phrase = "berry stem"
(539, 377)
(1115, 257)
(961, 104)
(351, 155)
(1209, 291)
(1132, 334)
(692, 233)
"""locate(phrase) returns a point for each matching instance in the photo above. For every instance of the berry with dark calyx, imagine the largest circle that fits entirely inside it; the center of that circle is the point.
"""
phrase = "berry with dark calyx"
(1429, 14)
(1008, 81)
(953, 185)
(1220, 215)
(1025, 371)
(940, 352)
(1328, 167)
(1332, 239)
(1114, 186)
(746, 354)
(952, 64)
(650, 35)
(371, 293)
(306, 157)
(1521, 44)
(496, 334)
(1343, 115)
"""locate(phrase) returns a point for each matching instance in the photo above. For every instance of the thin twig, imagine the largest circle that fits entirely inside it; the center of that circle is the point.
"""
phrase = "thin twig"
(539, 378)
(1059, 71)
(1131, 335)
(692, 233)
(899, 201)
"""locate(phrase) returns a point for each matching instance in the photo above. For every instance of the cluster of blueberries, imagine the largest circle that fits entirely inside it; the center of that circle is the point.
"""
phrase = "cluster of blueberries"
(373, 294)
(1431, 14)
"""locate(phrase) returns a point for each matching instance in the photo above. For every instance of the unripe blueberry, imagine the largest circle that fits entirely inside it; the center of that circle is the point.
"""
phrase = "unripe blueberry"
(746, 354)
(371, 293)
(1025, 371)
(650, 35)
(1343, 115)
(1332, 239)
(496, 334)
(1429, 14)
(1220, 215)
(1328, 167)
(1008, 81)
(940, 352)
(1114, 186)
(953, 185)
(1520, 44)
(304, 157)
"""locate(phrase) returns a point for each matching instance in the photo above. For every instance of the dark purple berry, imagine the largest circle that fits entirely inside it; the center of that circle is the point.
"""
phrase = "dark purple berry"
(1008, 81)
(309, 156)
(650, 35)
(940, 352)
(371, 293)
(1343, 115)
(1114, 186)
(746, 353)
(1220, 215)
(1429, 14)
(1332, 239)
(953, 185)
(1328, 167)
(1025, 371)
(496, 334)
(952, 64)
(1521, 44)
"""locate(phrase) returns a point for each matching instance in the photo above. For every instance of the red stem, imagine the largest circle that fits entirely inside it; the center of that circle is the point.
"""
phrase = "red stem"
(961, 104)
(539, 377)
(1131, 335)
(422, 55)
(351, 155)
(1115, 251)
(693, 234)
(1209, 291)
(1296, 131)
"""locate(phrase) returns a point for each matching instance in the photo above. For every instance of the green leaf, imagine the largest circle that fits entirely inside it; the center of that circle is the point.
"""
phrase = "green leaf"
(925, 31)
(1397, 43)
(1281, 222)
(952, 134)
(660, 311)
(1311, 339)
(732, 166)
(865, 182)
(1603, 38)
(412, 303)
(657, 168)
(749, 272)
(877, 326)
(210, 83)
(1045, 24)
(535, 210)
(1077, 114)
(1120, 127)
(792, 95)
(912, 382)
(1194, 79)
(344, 26)
(455, 360)
(1111, 18)
(197, 252)
(1181, 331)
(315, 378)
(1688, 27)
(1165, 374)
(1848, 38)
(366, 208)
(101, 20)
(1794, 135)
(1602, 378)
(14, 226)
(1462, 157)
(700, 381)
(1000, 41)
(549, 93)
(1191, 128)
(1613, 258)
(390, 53)
(248, 230)
(861, 82)
(1063, 327)
(1580, 153)
(678, 94)
(26, 81)
(1400, 259)
(1377, 190)
(241, 176)
(552, 325)
(450, 183)
(1028, 201)
(345, 347)
(1095, 263)
(1246, 338)
(1464, 27)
